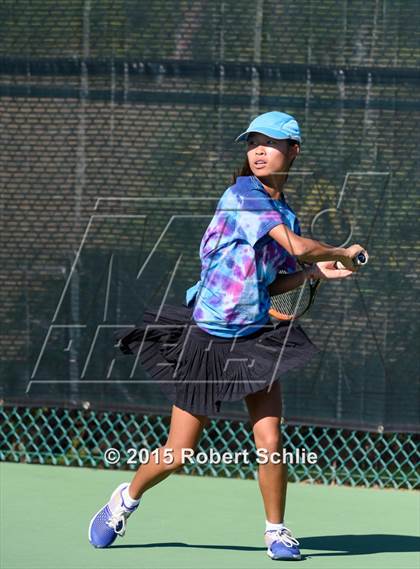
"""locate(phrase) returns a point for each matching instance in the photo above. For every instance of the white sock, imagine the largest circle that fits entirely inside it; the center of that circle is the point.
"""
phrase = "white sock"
(128, 501)
(269, 526)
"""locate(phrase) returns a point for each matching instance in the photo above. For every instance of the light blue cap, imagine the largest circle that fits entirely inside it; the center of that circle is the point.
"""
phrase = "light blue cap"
(274, 124)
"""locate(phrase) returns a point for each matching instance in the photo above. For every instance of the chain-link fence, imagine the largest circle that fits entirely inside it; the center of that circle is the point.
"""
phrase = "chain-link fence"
(81, 438)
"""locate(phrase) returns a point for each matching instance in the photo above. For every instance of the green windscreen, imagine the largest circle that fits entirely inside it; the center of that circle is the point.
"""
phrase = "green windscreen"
(117, 127)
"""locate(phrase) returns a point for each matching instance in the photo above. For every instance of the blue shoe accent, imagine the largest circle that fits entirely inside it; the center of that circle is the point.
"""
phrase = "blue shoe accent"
(281, 545)
(101, 535)
(110, 522)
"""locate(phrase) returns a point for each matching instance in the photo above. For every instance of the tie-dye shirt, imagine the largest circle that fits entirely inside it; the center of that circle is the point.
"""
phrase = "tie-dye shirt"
(239, 260)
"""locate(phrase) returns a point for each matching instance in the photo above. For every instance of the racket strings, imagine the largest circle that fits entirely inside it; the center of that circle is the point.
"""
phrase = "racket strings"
(293, 303)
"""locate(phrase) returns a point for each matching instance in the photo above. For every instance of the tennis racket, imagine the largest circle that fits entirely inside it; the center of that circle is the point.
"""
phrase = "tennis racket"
(294, 303)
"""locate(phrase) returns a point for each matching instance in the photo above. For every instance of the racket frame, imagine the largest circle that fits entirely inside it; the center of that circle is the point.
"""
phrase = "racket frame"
(312, 283)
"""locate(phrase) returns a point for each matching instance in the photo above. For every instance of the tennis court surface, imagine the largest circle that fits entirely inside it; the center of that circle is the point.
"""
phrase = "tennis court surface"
(191, 522)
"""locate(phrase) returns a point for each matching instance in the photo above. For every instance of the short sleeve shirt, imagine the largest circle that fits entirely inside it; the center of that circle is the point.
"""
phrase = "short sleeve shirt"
(239, 260)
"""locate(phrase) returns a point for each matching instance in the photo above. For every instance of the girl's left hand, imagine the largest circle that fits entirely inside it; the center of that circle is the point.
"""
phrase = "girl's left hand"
(325, 270)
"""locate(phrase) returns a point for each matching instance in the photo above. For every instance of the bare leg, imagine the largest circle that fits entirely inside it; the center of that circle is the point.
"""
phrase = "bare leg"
(265, 415)
(184, 432)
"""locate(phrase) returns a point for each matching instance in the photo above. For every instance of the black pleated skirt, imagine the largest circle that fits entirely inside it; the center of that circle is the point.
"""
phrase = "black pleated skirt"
(197, 371)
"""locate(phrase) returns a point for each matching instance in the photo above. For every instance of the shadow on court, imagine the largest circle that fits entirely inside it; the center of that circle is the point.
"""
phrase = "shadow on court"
(334, 545)
(360, 544)
(190, 545)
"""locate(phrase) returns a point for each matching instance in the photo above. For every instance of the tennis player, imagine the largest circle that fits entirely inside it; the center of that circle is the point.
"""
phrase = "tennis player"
(222, 345)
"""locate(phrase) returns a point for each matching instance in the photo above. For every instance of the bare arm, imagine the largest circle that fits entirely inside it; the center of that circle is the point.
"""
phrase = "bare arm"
(305, 249)
(284, 283)
(323, 270)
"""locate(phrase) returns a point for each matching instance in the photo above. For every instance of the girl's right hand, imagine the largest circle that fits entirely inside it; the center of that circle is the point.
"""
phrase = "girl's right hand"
(325, 270)
(350, 253)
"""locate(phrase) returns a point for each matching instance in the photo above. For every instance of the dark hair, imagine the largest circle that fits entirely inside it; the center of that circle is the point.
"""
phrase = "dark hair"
(245, 169)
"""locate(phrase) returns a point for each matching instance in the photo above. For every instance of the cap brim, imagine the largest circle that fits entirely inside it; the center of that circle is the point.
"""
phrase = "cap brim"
(279, 135)
(242, 136)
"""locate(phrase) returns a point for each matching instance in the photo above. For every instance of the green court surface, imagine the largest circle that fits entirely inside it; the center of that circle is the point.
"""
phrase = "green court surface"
(195, 522)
